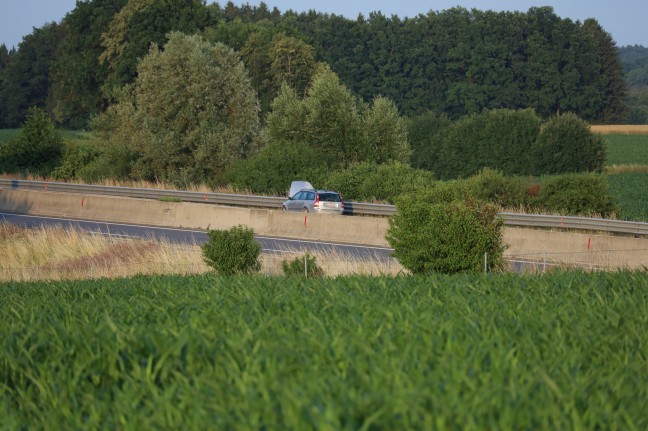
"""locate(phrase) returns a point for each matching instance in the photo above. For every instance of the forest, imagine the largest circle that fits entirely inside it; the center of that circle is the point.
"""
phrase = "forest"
(454, 62)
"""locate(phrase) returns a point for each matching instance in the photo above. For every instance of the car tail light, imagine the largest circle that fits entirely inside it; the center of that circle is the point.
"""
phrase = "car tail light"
(316, 204)
(341, 201)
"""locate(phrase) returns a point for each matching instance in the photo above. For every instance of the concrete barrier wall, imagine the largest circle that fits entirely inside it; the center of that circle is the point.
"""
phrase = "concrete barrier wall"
(531, 244)
(353, 230)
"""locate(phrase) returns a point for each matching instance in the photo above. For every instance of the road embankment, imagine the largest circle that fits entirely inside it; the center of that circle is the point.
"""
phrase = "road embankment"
(582, 249)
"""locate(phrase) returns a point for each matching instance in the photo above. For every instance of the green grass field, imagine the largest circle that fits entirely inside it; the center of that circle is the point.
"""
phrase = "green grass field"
(631, 192)
(627, 149)
(560, 351)
(630, 189)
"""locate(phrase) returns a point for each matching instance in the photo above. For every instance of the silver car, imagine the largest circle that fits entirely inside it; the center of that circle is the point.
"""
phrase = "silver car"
(303, 197)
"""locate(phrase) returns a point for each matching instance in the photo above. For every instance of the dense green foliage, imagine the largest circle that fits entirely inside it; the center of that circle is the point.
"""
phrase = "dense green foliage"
(567, 144)
(78, 79)
(445, 237)
(26, 75)
(272, 169)
(344, 128)
(456, 61)
(578, 194)
(191, 113)
(369, 182)
(561, 351)
(302, 266)
(232, 251)
(631, 194)
(36, 148)
(635, 63)
(500, 139)
(514, 142)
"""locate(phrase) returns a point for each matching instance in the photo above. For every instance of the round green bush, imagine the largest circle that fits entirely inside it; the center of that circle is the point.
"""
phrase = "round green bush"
(232, 251)
(576, 194)
(445, 238)
(368, 181)
(567, 144)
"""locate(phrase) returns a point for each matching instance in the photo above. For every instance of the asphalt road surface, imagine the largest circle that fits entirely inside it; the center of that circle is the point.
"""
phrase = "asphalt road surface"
(186, 236)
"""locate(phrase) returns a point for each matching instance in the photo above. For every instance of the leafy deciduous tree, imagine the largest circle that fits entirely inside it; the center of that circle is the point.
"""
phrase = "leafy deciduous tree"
(192, 112)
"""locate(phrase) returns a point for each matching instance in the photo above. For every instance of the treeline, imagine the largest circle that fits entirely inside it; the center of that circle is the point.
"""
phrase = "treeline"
(635, 63)
(455, 62)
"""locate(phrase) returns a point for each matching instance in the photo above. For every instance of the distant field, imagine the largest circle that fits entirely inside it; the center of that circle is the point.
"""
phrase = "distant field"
(495, 351)
(7, 134)
(621, 129)
(627, 149)
(631, 192)
(68, 135)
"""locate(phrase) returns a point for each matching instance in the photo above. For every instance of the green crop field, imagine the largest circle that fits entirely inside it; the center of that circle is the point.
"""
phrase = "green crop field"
(560, 351)
(631, 193)
(627, 149)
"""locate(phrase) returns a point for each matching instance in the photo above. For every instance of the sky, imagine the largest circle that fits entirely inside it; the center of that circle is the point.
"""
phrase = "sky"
(625, 20)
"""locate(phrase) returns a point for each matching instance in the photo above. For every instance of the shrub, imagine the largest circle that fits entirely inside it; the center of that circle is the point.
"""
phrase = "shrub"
(36, 148)
(425, 133)
(500, 139)
(232, 251)
(576, 194)
(276, 165)
(383, 182)
(445, 237)
(492, 186)
(566, 144)
(75, 157)
(306, 263)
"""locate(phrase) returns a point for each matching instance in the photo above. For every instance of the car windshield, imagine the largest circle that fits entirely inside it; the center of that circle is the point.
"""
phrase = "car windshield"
(329, 197)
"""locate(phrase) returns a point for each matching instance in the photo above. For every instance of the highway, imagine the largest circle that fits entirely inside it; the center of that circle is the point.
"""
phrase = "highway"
(186, 236)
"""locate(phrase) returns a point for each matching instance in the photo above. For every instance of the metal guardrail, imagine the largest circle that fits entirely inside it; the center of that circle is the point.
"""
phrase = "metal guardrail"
(355, 208)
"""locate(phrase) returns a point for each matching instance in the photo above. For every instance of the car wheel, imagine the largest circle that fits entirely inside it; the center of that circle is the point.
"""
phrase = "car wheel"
(283, 208)
(305, 209)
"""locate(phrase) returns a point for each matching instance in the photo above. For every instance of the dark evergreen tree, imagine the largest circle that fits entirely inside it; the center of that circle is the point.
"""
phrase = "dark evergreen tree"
(26, 79)
(77, 74)
(614, 109)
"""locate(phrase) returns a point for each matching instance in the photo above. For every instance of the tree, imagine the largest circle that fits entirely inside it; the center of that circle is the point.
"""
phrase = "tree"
(335, 122)
(291, 61)
(614, 110)
(77, 74)
(26, 79)
(190, 114)
(448, 237)
(566, 144)
(142, 23)
(37, 148)
(500, 139)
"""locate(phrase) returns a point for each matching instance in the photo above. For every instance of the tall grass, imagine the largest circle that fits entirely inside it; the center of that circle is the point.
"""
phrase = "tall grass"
(58, 253)
(563, 351)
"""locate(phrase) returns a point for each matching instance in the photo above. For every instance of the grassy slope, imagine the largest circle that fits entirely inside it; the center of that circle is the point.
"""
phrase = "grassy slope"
(563, 351)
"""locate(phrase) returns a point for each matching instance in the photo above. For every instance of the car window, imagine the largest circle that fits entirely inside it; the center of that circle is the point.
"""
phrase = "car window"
(299, 196)
(330, 197)
(311, 196)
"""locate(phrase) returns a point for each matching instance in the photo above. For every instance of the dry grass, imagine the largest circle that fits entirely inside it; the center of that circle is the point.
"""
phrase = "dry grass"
(334, 263)
(621, 129)
(58, 253)
(55, 253)
(626, 169)
(158, 185)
